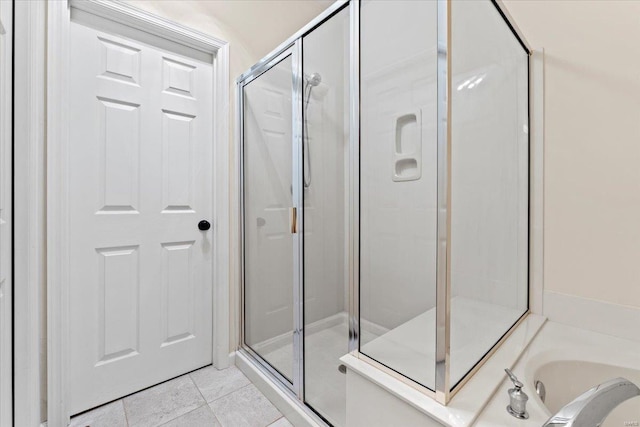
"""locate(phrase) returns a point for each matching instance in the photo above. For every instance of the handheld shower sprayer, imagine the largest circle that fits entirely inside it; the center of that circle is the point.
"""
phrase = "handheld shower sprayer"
(312, 81)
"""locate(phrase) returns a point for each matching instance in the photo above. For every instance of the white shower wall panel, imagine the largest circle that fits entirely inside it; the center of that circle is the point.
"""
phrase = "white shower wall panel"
(398, 121)
(325, 270)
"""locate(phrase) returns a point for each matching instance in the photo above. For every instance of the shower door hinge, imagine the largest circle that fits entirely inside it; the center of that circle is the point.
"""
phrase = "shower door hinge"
(294, 220)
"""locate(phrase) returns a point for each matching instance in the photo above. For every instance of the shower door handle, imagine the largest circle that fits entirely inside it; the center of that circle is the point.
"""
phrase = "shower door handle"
(293, 216)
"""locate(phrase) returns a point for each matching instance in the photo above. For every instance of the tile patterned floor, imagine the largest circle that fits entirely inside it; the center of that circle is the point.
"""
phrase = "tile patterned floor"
(204, 398)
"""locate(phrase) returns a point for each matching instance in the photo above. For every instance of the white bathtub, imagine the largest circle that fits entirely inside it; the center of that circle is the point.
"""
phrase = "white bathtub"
(566, 379)
(569, 361)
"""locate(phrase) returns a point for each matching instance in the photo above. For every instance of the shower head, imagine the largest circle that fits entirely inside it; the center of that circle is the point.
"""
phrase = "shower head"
(313, 80)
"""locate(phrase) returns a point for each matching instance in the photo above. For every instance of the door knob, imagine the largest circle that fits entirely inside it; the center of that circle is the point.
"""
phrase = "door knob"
(204, 225)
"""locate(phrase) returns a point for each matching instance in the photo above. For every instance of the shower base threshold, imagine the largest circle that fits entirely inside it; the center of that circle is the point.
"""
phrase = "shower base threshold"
(283, 399)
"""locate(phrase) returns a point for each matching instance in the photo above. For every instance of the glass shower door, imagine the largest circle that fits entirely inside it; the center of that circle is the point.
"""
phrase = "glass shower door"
(325, 181)
(268, 201)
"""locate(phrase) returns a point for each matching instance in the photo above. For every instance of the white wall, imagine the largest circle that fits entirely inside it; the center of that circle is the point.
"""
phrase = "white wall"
(592, 144)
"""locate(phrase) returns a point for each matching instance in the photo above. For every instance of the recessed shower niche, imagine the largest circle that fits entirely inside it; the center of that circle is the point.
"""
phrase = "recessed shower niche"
(385, 188)
(407, 156)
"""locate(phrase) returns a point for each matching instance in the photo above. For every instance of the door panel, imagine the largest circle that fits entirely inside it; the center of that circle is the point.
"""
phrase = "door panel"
(119, 287)
(177, 292)
(268, 242)
(140, 153)
(119, 141)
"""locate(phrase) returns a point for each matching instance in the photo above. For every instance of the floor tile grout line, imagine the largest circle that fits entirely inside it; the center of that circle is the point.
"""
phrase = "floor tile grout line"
(188, 375)
(208, 403)
(226, 394)
(199, 392)
(234, 391)
(258, 390)
(197, 388)
(182, 415)
(124, 410)
(269, 425)
(214, 415)
(268, 400)
(205, 402)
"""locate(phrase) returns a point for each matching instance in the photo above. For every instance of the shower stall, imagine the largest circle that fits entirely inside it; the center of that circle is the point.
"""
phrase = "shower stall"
(384, 170)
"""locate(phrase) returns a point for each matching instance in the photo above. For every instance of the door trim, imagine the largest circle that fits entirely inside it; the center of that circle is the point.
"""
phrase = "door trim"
(29, 211)
(6, 195)
(58, 20)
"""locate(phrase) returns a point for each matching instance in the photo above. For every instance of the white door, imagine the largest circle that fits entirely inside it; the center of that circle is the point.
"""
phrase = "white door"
(6, 64)
(140, 180)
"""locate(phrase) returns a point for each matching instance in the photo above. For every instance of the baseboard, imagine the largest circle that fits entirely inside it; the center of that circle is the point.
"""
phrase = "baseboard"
(607, 318)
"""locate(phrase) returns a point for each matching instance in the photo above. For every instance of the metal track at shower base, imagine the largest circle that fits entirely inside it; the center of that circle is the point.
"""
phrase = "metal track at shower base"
(275, 382)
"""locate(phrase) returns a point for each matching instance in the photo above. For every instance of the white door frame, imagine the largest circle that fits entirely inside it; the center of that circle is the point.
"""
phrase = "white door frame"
(58, 20)
(29, 211)
(6, 182)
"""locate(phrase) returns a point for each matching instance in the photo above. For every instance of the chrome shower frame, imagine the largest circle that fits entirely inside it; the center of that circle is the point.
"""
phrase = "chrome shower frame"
(443, 390)
(256, 71)
(292, 47)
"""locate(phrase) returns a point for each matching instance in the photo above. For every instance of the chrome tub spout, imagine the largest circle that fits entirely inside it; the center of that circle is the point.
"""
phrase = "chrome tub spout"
(592, 407)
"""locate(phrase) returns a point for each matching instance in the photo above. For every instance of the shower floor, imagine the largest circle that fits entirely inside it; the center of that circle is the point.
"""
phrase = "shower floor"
(408, 348)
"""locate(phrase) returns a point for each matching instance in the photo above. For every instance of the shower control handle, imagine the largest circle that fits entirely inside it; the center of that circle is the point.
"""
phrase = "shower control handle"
(516, 382)
(204, 225)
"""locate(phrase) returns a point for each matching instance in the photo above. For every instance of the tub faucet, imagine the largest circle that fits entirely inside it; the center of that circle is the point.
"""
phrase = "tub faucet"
(517, 398)
(592, 407)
